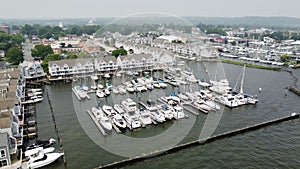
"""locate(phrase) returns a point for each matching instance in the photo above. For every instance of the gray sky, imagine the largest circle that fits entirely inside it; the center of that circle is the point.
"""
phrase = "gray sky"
(118, 8)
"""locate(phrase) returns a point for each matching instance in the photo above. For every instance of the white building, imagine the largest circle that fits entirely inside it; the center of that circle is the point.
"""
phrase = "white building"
(31, 70)
(136, 62)
(106, 64)
(70, 67)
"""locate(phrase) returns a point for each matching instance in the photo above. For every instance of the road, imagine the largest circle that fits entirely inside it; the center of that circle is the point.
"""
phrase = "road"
(27, 46)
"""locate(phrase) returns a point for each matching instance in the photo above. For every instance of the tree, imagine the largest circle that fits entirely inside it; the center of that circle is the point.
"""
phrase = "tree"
(14, 55)
(119, 52)
(285, 58)
(41, 51)
(52, 57)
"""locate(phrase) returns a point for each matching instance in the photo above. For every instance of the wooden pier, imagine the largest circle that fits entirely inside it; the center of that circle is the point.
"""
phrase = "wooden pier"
(199, 142)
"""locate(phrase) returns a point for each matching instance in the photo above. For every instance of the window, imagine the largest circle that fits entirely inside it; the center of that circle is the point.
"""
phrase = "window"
(2, 153)
(3, 163)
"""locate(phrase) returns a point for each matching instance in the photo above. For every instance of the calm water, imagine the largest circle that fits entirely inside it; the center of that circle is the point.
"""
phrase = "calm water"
(276, 146)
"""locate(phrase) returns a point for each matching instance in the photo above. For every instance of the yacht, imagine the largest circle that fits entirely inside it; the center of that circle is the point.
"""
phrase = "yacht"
(227, 100)
(108, 110)
(40, 143)
(162, 84)
(129, 105)
(168, 111)
(78, 91)
(100, 86)
(199, 104)
(97, 111)
(130, 88)
(156, 84)
(140, 88)
(178, 112)
(145, 117)
(122, 89)
(131, 116)
(119, 109)
(104, 122)
(118, 120)
(155, 115)
(37, 158)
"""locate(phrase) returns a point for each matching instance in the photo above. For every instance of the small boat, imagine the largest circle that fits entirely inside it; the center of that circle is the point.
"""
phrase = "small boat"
(108, 110)
(37, 158)
(140, 88)
(40, 143)
(122, 89)
(115, 90)
(106, 75)
(85, 87)
(130, 88)
(149, 86)
(100, 86)
(162, 84)
(227, 100)
(118, 74)
(168, 111)
(94, 87)
(119, 109)
(155, 115)
(145, 117)
(178, 112)
(199, 104)
(118, 120)
(106, 91)
(156, 84)
(97, 111)
(104, 122)
(109, 86)
(100, 93)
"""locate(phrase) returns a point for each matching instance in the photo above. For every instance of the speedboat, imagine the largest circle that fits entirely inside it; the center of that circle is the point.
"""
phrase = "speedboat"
(201, 106)
(132, 118)
(178, 112)
(168, 111)
(94, 87)
(109, 86)
(122, 89)
(227, 100)
(100, 93)
(104, 122)
(37, 158)
(97, 112)
(130, 88)
(118, 120)
(149, 86)
(162, 84)
(119, 109)
(100, 86)
(155, 115)
(107, 92)
(115, 90)
(145, 117)
(140, 88)
(129, 105)
(40, 143)
(156, 84)
(108, 110)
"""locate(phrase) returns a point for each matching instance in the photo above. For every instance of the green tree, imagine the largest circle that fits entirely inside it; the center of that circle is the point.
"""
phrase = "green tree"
(14, 55)
(41, 51)
(52, 57)
(119, 52)
(285, 58)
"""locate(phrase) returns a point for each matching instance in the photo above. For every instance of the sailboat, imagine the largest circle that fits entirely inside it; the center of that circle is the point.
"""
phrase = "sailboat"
(242, 98)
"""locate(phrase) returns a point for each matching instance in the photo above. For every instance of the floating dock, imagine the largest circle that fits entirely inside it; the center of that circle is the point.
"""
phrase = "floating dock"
(200, 142)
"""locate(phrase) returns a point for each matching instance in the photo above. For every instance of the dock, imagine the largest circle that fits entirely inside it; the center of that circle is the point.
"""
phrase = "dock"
(200, 141)
(101, 129)
(75, 93)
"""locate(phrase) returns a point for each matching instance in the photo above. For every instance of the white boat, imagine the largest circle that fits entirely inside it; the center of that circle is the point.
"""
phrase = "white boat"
(162, 84)
(155, 115)
(109, 86)
(80, 92)
(106, 91)
(178, 112)
(191, 96)
(221, 82)
(130, 88)
(227, 100)
(211, 103)
(94, 87)
(106, 75)
(199, 104)
(119, 109)
(221, 89)
(145, 117)
(100, 93)
(168, 111)
(140, 88)
(97, 112)
(183, 96)
(104, 122)
(115, 90)
(122, 89)
(118, 120)
(118, 74)
(149, 86)
(108, 110)
(129, 105)
(85, 87)
(204, 84)
(36, 158)
(100, 86)
(156, 84)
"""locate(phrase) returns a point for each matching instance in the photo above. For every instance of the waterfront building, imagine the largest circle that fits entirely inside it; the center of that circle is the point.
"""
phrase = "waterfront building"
(136, 62)
(31, 70)
(105, 64)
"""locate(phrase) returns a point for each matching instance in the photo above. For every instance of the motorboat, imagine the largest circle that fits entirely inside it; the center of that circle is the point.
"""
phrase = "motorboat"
(149, 86)
(94, 87)
(104, 122)
(168, 111)
(40, 143)
(145, 117)
(133, 119)
(108, 110)
(109, 86)
(183, 96)
(85, 87)
(227, 100)
(115, 90)
(106, 91)
(106, 75)
(221, 89)
(162, 84)
(211, 103)
(156, 84)
(199, 104)
(129, 105)
(100, 86)
(119, 109)
(37, 158)
(122, 89)
(178, 112)
(152, 108)
(100, 93)
(97, 111)
(221, 82)
(140, 88)
(118, 120)
(130, 88)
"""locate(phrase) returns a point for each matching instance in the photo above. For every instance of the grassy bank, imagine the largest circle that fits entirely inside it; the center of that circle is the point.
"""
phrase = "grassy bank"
(250, 65)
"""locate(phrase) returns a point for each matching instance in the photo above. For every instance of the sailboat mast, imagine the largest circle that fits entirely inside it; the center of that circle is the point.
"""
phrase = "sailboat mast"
(242, 81)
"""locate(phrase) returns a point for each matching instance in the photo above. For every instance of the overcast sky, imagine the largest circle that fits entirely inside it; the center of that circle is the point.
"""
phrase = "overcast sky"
(118, 8)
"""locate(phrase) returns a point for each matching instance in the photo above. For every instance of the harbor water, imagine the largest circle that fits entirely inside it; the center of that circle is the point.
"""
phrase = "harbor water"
(276, 146)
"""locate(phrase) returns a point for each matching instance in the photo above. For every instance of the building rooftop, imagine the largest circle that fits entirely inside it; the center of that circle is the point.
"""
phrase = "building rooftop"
(3, 139)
